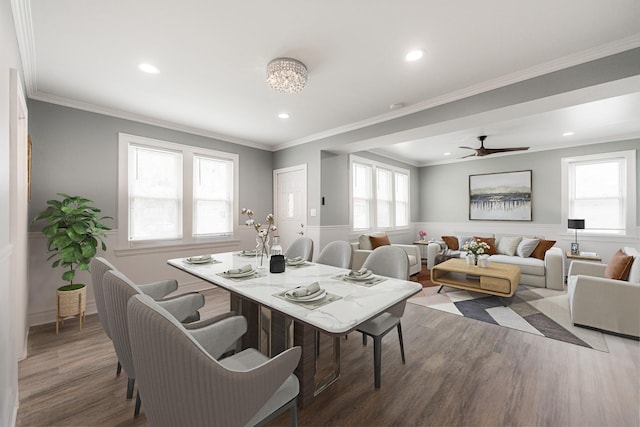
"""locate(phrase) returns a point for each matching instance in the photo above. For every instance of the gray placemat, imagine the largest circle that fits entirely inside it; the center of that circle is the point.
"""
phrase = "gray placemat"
(311, 305)
(366, 283)
(242, 279)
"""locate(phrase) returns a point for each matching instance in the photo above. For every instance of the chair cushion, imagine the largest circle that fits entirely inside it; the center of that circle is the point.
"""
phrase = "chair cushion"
(634, 274)
(451, 241)
(508, 245)
(542, 248)
(491, 241)
(526, 247)
(379, 240)
(365, 242)
(619, 266)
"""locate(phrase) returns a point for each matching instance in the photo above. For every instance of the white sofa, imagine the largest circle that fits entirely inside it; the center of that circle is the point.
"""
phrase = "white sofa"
(543, 273)
(606, 304)
(362, 248)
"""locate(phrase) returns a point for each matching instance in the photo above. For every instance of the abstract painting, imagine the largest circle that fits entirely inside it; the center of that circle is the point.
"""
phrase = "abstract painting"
(500, 196)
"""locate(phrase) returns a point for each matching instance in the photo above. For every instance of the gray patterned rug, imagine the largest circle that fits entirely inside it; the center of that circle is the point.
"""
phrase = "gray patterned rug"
(534, 310)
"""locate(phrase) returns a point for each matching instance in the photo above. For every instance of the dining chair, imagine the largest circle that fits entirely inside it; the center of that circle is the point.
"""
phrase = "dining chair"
(336, 253)
(393, 262)
(98, 266)
(183, 383)
(302, 247)
(117, 289)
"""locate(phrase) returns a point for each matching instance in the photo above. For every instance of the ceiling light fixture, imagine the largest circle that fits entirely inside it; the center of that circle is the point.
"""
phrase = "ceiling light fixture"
(148, 68)
(283, 115)
(286, 75)
(414, 55)
(568, 134)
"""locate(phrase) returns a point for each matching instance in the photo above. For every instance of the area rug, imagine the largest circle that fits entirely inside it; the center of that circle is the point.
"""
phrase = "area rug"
(534, 310)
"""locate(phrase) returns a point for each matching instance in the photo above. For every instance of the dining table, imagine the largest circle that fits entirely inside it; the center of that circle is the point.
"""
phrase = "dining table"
(344, 302)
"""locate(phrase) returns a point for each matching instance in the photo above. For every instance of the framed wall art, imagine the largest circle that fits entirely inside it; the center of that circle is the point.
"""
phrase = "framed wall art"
(500, 196)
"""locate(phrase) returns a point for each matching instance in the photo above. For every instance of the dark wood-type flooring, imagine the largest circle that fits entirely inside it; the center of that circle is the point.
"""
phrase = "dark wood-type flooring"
(458, 372)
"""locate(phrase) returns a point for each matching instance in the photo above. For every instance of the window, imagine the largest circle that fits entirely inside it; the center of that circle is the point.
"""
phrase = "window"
(379, 195)
(600, 189)
(173, 193)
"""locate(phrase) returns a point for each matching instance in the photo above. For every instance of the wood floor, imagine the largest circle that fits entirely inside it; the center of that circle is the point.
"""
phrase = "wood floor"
(458, 372)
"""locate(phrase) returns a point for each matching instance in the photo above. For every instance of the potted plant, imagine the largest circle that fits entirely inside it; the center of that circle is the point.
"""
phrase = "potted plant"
(73, 233)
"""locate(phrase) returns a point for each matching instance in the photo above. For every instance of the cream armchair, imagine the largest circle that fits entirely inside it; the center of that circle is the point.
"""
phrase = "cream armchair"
(607, 304)
(362, 249)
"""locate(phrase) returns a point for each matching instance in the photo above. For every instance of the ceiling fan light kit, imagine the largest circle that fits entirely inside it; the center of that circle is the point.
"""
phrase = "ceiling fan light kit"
(482, 151)
(286, 75)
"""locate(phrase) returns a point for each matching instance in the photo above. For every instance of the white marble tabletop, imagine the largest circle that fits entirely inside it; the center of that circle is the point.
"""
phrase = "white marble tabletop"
(356, 305)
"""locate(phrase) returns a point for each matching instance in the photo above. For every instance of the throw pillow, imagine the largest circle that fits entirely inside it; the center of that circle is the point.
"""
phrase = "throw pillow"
(619, 266)
(526, 247)
(508, 245)
(491, 241)
(364, 242)
(542, 248)
(451, 241)
(462, 240)
(377, 241)
(634, 274)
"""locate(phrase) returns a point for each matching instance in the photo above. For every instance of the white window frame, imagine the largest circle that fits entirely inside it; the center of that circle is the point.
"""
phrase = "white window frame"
(373, 220)
(628, 184)
(188, 152)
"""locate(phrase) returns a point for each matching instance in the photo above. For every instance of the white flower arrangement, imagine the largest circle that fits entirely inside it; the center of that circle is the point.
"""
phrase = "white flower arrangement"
(476, 248)
(263, 233)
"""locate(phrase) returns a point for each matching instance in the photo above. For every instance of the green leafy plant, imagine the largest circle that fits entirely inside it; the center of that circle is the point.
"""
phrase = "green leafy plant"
(73, 233)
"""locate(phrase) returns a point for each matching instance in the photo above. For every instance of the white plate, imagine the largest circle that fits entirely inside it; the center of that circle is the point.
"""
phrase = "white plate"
(312, 297)
(360, 278)
(236, 275)
(247, 253)
(296, 262)
(198, 260)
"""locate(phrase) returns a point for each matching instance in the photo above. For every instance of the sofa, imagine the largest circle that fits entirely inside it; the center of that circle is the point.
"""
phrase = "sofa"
(541, 264)
(601, 298)
(368, 242)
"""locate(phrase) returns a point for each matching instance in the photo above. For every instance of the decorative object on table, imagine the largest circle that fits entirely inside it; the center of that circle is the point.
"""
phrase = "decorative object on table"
(575, 224)
(422, 234)
(277, 264)
(286, 75)
(474, 249)
(483, 260)
(276, 248)
(262, 238)
(73, 232)
(500, 196)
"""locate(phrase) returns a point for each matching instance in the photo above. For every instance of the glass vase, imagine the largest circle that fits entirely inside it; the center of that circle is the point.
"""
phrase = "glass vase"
(262, 251)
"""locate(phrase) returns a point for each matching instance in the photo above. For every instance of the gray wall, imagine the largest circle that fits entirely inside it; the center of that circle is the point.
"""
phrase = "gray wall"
(445, 188)
(76, 152)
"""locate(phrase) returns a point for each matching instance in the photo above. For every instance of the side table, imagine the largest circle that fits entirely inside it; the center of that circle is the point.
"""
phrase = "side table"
(584, 256)
(422, 244)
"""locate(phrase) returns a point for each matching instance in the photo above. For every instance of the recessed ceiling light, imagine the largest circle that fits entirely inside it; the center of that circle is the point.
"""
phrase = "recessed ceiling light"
(414, 55)
(283, 115)
(447, 154)
(148, 68)
(396, 106)
(568, 133)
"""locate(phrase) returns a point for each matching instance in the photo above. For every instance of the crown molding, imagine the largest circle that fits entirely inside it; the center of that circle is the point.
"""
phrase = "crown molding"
(588, 55)
(26, 45)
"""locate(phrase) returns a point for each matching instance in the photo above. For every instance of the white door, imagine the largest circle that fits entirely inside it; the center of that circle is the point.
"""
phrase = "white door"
(290, 199)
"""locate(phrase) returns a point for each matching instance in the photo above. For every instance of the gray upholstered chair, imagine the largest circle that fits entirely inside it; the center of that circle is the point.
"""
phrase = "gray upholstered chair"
(337, 254)
(182, 383)
(387, 261)
(302, 247)
(117, 290)
(98, 266)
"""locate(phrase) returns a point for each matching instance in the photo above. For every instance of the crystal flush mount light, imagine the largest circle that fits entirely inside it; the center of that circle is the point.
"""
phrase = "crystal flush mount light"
(286, 75)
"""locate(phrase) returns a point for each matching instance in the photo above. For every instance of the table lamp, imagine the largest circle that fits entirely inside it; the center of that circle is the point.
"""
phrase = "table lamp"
(576, 224)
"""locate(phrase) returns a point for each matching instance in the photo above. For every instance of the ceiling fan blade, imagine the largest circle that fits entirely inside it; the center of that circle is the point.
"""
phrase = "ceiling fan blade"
(470, 155)
(504, 150)
(466, 148)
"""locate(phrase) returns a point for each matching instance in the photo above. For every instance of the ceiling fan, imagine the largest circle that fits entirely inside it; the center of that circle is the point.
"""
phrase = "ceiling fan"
(486, 151)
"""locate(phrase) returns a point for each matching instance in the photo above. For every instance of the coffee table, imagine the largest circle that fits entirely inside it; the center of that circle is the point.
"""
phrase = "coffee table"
(496, 279)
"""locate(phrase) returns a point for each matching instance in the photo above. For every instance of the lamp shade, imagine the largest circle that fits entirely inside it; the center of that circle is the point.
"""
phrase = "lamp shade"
(576, 224)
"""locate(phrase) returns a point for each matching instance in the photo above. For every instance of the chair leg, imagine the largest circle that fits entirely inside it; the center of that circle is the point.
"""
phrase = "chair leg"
(293, 415)
(401, 343)
(130, 383)
(136, 410)
(364, 339)
(377, 362)
(118, 369)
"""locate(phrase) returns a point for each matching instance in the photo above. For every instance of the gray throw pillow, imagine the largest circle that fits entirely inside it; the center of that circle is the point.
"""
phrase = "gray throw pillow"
(508, 245)
(526, 247)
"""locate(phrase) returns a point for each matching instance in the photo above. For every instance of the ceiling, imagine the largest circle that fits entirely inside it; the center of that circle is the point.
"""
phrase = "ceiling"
(212, 57)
